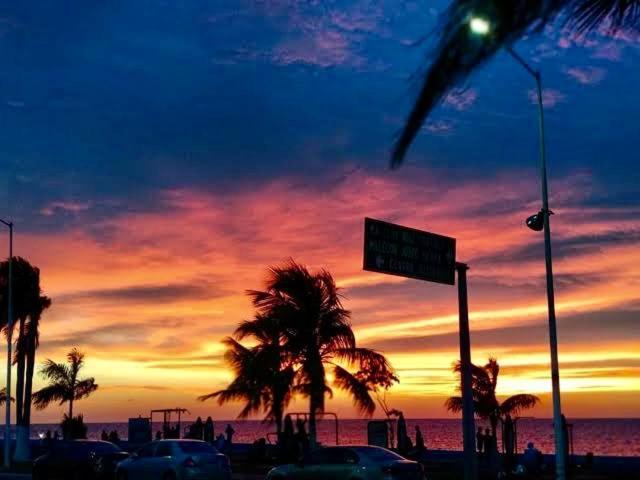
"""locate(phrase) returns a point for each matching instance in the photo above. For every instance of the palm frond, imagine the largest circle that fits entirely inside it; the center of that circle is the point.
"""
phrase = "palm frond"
(453, 404)
(358, 390)
(84, 388)
(55, 372)
(76, 360)
(516, 403)
(459, 51)
(493, 369)
(3, 396)
(584, 15)
(52, 393)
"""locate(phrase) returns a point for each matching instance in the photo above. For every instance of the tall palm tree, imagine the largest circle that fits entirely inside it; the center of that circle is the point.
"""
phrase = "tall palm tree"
(28, 306)
(459, 51)
(316, 334)
(64, 384)
(485, 402)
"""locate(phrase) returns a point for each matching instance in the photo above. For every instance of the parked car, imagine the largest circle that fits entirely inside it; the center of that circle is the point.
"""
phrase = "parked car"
(78, 459)
(350, 463)
(175, 460)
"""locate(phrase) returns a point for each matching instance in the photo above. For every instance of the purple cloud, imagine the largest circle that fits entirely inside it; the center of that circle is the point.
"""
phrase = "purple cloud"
(439, 127)
(461, 100)
(550, 97)
(586, 76)
(325, 48)
(609, 51)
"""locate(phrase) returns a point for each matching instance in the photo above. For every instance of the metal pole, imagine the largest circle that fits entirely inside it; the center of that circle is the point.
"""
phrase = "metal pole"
(468, 423)
(553, 337)
(7, 432)
(561, 454)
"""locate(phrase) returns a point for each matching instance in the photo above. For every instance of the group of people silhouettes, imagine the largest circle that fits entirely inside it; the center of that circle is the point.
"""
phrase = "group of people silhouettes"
(112, 436)
(293, 442)
(486, 443)
(205, 431)
(405, 445)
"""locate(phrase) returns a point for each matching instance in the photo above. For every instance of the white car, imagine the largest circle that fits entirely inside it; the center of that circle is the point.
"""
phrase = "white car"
(175, 460)
(350, 463)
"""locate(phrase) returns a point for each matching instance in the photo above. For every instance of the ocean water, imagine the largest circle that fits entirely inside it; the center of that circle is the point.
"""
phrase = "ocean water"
(619, 437)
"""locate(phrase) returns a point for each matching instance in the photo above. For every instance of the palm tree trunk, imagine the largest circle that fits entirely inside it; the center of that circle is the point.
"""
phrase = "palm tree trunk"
(28, 388)
(23, 452)
(312, 423)
(20, 372)
(494, 429)
(71, 408)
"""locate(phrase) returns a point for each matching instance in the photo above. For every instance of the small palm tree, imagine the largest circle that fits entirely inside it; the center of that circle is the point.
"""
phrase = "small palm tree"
(64, 384)
(3, 397)
(485, 402)
(262, 381)
(459, 52)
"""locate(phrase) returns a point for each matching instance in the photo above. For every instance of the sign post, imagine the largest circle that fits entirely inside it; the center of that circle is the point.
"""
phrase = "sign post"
(407, 252)
(468, 424)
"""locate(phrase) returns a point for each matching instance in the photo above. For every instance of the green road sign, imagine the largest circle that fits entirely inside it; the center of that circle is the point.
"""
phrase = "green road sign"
(407, 252)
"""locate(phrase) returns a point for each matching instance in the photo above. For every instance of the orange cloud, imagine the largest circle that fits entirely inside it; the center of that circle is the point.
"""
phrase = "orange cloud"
(149, 294)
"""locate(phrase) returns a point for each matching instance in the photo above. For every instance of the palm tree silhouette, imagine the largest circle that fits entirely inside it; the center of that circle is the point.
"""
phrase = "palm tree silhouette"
(485, 403)
(301, 322)
(64, 384)
(28, 306)
(263, 380)
(459, 51)
(3, 396)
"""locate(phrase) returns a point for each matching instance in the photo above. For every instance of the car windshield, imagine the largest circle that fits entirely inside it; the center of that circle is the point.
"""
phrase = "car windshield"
(378, 455)
(196, 447)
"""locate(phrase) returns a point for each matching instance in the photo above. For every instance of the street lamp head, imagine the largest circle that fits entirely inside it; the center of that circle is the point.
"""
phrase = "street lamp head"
(536, 222)
(479, 25)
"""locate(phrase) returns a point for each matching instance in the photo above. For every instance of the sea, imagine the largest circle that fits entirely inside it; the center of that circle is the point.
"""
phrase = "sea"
(616, 437)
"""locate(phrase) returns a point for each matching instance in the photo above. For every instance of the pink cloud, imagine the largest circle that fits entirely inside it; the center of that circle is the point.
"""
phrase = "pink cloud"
(587, 75)
(325, 48)
(550, 97)
(609, 51)
(461, 100)
(65, 206)
(439, 127)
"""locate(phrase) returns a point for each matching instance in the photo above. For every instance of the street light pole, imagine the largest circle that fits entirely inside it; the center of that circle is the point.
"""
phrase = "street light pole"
(7, 432)
(559, 433)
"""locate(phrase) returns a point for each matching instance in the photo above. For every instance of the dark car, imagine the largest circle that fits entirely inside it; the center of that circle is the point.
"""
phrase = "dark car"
(350, 463)
(78, 459)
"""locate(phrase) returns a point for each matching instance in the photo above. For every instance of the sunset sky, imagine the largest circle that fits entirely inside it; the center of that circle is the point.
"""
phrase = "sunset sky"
(157, 156)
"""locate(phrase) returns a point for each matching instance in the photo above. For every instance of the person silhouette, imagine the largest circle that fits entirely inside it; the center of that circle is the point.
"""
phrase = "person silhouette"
(480, 441)
(198, 429)
(208, 433)
(229, 431)
(420, 447)
(104, 436)
(488, 442)
(301, 435)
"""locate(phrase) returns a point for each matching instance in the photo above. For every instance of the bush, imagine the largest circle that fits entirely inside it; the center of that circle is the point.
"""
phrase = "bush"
(73, 428)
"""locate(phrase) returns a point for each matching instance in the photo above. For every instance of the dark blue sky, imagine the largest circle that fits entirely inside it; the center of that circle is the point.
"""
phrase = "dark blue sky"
(115, 101)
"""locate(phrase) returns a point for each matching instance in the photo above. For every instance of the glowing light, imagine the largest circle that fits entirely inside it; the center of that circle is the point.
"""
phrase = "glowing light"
(479, 25)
